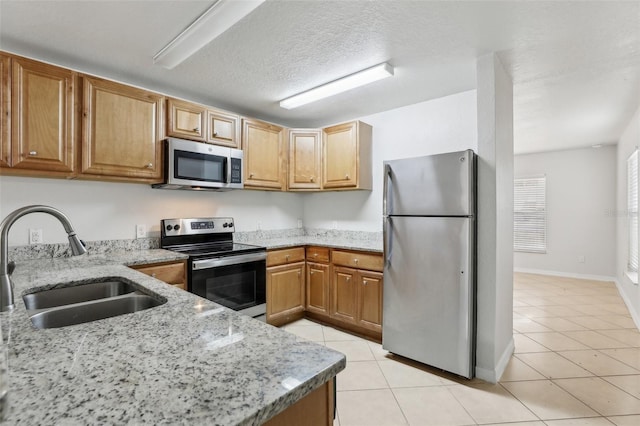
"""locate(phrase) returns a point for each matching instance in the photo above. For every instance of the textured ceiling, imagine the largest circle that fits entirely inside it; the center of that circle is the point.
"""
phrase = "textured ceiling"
(575, 65)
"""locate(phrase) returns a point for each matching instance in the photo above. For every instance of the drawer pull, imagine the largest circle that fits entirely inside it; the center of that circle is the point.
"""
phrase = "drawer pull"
(33, 153)
(356, 261)
(315, 254)
(215, 134)
(311, 179)
(196, 129)
(364, 282)
(311, 273)
(149, 165)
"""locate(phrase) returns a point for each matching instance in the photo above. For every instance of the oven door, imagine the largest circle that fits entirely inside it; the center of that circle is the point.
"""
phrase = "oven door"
(237, 282)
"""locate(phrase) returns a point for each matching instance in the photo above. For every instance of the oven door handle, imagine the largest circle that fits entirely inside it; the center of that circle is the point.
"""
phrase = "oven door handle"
(226, 261)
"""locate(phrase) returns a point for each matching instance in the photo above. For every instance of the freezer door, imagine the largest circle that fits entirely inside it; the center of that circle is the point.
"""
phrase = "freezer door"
(436, 185)
(429, 291)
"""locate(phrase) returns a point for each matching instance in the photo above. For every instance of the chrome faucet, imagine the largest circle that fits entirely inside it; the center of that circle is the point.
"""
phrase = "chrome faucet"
(6, 267)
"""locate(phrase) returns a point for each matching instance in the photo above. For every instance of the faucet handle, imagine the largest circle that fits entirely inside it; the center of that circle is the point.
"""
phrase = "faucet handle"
(11, 266)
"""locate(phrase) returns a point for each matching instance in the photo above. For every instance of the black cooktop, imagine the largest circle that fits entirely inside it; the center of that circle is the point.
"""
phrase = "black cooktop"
(215, 249)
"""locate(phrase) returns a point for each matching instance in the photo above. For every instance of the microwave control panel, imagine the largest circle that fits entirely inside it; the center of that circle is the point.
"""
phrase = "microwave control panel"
(236, 170)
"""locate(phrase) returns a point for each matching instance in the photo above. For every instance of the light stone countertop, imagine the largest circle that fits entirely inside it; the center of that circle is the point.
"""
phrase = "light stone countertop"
(349, 240)
(188, 361)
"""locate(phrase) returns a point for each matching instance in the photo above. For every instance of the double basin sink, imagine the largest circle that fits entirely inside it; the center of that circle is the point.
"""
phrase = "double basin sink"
(88, 301)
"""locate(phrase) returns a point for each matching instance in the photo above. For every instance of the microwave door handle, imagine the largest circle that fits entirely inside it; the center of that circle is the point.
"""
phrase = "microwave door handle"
(226, 261)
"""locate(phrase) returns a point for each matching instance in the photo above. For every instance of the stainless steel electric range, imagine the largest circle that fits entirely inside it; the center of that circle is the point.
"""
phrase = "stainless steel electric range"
(227, 273)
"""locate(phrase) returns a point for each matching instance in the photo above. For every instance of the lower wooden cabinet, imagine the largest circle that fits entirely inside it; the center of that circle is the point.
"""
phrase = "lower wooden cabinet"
(338, 287)
(369, 300)
(357, 298)
(318, 281)
(174, 273)
(285, 293)
(345, 292)
(315, 409)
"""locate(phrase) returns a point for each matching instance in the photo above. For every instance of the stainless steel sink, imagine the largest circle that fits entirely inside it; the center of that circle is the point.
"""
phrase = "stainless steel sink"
(79, 313)
(77, 304)
(77, 294)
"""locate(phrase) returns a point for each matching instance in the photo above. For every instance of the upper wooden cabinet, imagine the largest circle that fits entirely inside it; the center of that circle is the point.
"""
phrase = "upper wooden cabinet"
(223, 129)
(305, 165)
(5, 107)
(200, 123)
(122, 131)
(42, 116)
(347, 156)
(264, 155)
(186, 120)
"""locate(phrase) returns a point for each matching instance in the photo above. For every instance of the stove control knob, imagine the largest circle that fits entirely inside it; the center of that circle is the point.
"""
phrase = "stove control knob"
(230, 224)
(224, 225)
(169, 227)
(176, 227)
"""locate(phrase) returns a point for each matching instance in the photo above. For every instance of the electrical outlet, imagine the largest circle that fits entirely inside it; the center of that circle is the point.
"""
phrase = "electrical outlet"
(141, 231)
(259, 225)
(334, 224)
(299, 223)
(35, 236)
(580, 259)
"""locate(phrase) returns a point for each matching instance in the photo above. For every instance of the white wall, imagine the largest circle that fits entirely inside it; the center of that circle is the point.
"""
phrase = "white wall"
(495, 219)
(431, 127)
(580, 211)
(105, 210)
(626, 145)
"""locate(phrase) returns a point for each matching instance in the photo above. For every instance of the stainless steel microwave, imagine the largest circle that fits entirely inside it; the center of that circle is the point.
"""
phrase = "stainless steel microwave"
(200, 166)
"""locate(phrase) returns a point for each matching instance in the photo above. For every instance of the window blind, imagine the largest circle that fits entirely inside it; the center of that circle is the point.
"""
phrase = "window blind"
(632, 209)
(530, 215)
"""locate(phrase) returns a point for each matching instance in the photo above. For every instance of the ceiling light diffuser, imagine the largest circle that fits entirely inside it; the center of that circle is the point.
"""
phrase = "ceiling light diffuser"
(343, 84)
(221, 16)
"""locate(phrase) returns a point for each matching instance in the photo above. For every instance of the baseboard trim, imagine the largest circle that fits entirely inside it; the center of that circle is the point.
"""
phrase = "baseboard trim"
(566, 274)
(634, 314)
(493, 376)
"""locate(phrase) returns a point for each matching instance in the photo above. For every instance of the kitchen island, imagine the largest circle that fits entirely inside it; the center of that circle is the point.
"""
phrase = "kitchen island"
(187, 361)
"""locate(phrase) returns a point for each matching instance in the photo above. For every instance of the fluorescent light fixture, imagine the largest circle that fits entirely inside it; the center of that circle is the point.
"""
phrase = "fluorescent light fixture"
(343, 84)
(221, 16)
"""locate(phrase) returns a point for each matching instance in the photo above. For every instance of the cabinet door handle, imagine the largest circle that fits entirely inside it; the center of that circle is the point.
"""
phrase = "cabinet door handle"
(287, 257)
(310, 272)
(215, 134)
(196, 129)
(311, 179)
(250, 175)
(299, 273)
(346, 177)
(348, 279)
(364, 282)
(149, 166)
(33, 153)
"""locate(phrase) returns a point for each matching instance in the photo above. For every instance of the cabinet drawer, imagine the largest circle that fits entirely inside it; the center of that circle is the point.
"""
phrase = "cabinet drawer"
(171, 273)
(279, 257)
(372, 262)
(318, 254)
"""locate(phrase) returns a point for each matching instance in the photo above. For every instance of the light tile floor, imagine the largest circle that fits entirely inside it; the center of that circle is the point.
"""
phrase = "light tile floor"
(576, 362)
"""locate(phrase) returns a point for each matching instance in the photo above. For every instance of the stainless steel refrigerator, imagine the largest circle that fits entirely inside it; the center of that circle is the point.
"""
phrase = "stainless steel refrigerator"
(429, 298)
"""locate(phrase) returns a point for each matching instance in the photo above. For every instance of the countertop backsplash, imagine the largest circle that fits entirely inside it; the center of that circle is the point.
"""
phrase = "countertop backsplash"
(271, 238)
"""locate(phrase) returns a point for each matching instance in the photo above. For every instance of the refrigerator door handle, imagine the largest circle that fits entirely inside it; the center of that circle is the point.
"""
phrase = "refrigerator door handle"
(387, 201)
(387, 245)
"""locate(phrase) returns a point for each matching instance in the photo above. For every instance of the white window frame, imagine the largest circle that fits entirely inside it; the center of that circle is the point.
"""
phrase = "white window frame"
(530, 214)
(632, 216)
